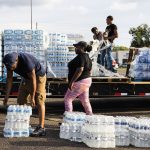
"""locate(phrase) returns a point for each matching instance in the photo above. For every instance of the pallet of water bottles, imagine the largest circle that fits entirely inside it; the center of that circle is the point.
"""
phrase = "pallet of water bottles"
(17, 122)
(139, 69)
(35, 37)
(100, 131)
(29, 41)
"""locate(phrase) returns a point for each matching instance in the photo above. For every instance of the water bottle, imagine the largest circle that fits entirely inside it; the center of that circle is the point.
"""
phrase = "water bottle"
(143, 59)
(10, 110)
(67, 131)
(8, 133)
(25, 132)
(17, 121)
(62, 131)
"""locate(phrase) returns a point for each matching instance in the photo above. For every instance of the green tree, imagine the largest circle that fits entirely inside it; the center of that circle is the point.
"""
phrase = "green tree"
(120, 48)
(141, 36)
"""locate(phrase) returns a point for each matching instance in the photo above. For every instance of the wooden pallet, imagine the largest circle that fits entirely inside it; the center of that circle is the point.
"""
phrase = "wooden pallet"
(111, 79)
(57, 79)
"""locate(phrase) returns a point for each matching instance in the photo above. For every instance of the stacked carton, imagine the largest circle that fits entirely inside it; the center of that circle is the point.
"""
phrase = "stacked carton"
(58, 55)
(33, 42)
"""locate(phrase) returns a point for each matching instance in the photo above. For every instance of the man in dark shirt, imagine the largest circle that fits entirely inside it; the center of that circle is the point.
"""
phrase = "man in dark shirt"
(110, 34)
(32, 85)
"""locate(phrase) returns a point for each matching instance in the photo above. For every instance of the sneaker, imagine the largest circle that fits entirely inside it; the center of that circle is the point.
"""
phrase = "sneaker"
(39, 131)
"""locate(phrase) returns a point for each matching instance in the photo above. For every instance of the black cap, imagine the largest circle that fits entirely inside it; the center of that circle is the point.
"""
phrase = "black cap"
(81, 44)
(10, 59)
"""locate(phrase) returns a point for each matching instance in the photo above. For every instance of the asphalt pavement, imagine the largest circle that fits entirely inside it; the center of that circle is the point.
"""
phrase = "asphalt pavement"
(52, 141)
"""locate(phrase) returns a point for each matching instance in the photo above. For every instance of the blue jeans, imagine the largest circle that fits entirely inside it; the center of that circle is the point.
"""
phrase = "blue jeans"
(109, 58)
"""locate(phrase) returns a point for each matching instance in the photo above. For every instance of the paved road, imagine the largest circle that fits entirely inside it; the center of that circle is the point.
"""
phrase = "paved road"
(52, 140)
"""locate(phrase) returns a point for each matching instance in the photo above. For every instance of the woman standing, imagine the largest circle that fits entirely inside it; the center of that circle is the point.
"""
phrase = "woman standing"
(79, 78)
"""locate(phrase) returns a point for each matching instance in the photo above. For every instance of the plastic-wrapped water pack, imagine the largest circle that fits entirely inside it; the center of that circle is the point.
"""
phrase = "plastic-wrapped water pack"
(140, 132)
(58, 55)
(140, 67)
(122, 131)
(17, 121)
(33, 42)
(99, 131)
(100, 71)
(72, 126)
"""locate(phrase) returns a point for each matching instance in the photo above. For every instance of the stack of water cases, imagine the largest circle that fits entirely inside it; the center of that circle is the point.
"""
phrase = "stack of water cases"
(17, 121)
(72, 126)
(140, 67)
(122, 131)
(1, 57)
(58, 55)
(99, 131)
(140, 132)
(33, 42)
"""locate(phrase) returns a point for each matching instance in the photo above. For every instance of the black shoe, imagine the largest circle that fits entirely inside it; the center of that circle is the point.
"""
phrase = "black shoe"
(39, 131)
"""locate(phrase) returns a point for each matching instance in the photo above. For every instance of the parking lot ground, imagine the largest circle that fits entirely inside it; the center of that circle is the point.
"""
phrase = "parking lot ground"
(51, 141)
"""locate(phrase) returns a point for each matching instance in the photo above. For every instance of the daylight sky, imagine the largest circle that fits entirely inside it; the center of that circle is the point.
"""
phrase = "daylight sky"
(76, 16)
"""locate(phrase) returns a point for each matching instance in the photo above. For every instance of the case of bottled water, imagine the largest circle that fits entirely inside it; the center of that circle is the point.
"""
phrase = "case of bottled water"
(29, 41)
(17, 121)
(139, 69)
(99, 131)
(139, 129)
(72, 126)
(58, 55)
(122, 131)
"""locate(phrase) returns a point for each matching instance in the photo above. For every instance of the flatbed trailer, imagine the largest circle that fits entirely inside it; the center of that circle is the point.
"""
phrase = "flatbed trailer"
(101, 87)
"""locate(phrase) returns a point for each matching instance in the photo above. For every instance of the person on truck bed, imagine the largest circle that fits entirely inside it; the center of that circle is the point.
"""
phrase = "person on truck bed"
(32, 85)
(97, 35)
(110, 34)
(79, 78)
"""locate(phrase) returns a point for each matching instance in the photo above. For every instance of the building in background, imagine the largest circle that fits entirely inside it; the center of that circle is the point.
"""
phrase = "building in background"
(121, 56)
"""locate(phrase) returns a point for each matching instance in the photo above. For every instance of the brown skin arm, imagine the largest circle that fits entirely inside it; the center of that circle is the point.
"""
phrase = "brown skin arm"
(75, 77)
(32, 78)
(94, 37)
(8, 85)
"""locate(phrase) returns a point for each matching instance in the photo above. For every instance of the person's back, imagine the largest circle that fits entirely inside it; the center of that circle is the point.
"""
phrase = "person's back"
(26, 63)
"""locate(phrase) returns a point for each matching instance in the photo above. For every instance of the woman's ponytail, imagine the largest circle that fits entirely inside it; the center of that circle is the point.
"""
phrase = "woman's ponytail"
(88, 48)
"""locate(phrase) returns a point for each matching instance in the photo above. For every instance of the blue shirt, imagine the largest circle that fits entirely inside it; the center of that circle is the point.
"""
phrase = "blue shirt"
(26, 63)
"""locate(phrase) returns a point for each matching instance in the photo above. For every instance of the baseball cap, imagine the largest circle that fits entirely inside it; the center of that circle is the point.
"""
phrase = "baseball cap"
(81, 44)
(10, 59)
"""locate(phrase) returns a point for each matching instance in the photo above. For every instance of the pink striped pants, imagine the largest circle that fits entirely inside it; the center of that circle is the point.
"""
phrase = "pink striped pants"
(80, 89)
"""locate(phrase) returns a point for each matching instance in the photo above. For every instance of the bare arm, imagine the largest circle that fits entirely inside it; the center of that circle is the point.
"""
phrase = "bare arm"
(94, 37)
(32, 77)
(76, 76)
(8, 85)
